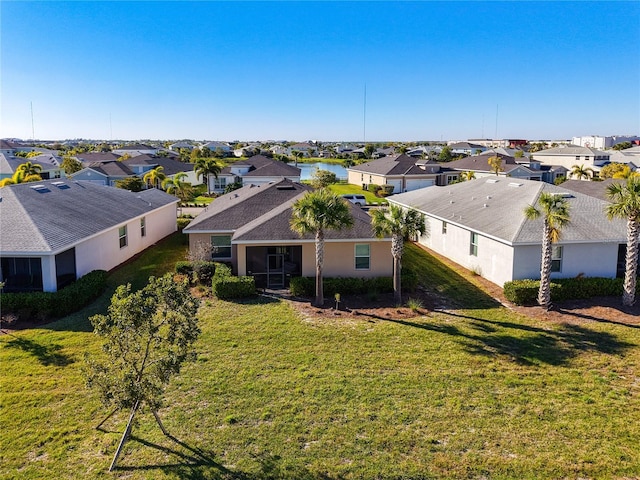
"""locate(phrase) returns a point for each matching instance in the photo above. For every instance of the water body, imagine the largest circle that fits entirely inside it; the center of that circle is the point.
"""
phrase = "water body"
(306, 169)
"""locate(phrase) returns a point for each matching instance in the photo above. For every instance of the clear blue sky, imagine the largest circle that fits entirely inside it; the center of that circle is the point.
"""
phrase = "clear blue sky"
(298, 70)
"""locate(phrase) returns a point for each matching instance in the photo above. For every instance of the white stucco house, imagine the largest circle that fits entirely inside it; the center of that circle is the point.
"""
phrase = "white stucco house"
(569, 155)
(56, 231)
(480, 224)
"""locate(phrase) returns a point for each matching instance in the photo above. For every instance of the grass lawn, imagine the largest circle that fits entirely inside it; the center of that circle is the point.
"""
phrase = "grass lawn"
(476, 392)
(344, 188)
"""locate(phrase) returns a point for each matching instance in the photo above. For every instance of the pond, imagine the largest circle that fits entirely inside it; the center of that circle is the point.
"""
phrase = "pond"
(306, 169)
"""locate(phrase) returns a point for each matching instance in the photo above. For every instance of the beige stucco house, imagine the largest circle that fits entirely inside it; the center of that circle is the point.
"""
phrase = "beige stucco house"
(249, 228)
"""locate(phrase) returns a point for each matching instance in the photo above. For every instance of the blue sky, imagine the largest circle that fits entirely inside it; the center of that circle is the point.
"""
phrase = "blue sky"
(298, 70)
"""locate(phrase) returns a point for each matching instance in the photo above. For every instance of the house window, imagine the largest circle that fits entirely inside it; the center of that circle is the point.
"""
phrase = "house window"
(363, 256)
(122, 233)
(473, 246)
(370, 179)
(444, 228)
(221, 247)
(143, 227)
(556, 258)
(451, 179)
(220, 183)
(577, 158)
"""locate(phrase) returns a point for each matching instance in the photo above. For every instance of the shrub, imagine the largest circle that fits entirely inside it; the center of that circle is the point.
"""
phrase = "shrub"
(184, 267)
(525, 292)
(373, 188)
(182, 222)
(43, 305)
(203, 272)
(387, 190)
(230, 287)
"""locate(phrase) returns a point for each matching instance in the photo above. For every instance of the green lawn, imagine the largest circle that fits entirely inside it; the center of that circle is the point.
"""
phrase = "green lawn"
(344, 188)
(476, 392)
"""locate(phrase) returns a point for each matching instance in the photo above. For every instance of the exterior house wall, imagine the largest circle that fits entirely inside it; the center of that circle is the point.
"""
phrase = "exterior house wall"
(103, 251)
(494, 260)
(361, 178)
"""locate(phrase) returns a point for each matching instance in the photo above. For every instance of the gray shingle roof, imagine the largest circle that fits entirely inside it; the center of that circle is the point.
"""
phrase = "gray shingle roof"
(65, 212)
(393, 165)
(569, 150)
(111, 169)
(503, 218)
(262, 213)
(593, 189)
(97, 157)
(170, 165)
(480, 163)
(261, 166)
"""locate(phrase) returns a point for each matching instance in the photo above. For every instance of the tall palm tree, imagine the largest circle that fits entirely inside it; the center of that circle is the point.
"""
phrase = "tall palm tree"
(315, 213)
(154, 177)
(625, 198)
(495, 163)
(555, 213)
(206, 167)
(401, 225)
(580, 171)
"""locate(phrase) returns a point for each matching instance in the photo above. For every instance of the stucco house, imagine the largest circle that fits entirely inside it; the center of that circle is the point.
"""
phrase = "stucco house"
(50, 165)
(479, 165)
(104, 173)
(256, 170)
(141, 164)
(136, 149)
(570, 155)
(405, 173)
(480, 224)
(55, 231)
(250, 229)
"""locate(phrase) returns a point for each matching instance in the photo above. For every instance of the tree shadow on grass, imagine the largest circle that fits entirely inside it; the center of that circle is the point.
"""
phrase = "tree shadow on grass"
(197, 463)
(45, 354)
(525, 344)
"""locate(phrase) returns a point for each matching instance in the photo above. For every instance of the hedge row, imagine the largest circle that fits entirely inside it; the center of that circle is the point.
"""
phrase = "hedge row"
(306, 286)
(225, 286)
(44, 305)
(525, 292)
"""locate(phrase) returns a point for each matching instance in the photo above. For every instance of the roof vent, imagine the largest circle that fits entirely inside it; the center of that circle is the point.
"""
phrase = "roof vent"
(61, 185)
(492, 180)
(451, 201)
(285, 187)
(488, 197)
(485, 205)
(514, 184)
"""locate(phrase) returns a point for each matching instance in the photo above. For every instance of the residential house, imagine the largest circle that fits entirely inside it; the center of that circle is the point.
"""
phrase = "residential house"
(136, 149)
(466, 148)
(250, 229)
(256, 170)
(479, 165)
(570, 155)
(176, 147)
(307, 149)
(480, 224)
(602, 142)
(104, 173)
(141, 164)
(214, 146)
(50, 165)
(402, 171)
(90, 158)
(56, 231)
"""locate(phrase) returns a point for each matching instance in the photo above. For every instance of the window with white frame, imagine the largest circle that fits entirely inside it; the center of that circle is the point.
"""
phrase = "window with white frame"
(122, 234)
(221, 246)
(444, 228)
(556, 258)
(363, 256)
(451, 179)
(220, 183)
(473, 244)
(143, 227)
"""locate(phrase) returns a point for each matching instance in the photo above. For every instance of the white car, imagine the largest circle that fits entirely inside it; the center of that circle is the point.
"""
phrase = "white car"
(358, 200)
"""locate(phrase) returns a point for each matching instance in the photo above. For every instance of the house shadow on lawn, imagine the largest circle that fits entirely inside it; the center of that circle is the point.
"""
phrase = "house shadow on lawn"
(524, 344)
(45, 354)
(197, 463)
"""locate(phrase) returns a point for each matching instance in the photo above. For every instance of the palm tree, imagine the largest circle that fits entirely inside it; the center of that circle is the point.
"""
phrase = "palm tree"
(580, 172)
(176, 186)
(154, 176)
(297, 154)
(206, 167)
(315, 213)
(555, 212)
(468, 175)
(495, 163)
(625, 203)
(20, 176)
(401, 225)
(30, 168)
